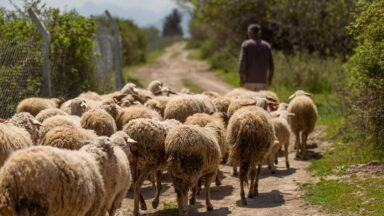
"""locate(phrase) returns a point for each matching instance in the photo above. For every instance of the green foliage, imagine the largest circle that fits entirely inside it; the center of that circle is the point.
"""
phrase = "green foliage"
(362, 196)
(189, 84)
(366, 69)
(308, 25)
(133, 42)
(71, 52)
(172, 25)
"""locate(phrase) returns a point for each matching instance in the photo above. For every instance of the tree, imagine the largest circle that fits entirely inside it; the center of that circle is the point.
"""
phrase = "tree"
(172, 25)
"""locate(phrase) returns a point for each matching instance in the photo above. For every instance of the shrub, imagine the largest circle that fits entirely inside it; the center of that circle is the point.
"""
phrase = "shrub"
(366, 69)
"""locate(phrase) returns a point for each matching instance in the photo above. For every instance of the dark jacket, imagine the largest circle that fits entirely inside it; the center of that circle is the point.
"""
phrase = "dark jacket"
(256, 63)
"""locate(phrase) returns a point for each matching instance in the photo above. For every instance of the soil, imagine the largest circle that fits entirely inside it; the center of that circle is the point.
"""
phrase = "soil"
(279, 194)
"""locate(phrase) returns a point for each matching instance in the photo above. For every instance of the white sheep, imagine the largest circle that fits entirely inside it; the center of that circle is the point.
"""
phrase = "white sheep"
(34, 105)
(304, 121)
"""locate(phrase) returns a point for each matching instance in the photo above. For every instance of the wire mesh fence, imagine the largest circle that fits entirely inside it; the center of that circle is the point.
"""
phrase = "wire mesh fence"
(20, 73)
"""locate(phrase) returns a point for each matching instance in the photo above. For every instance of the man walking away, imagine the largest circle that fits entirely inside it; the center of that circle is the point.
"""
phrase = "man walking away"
(256, 63)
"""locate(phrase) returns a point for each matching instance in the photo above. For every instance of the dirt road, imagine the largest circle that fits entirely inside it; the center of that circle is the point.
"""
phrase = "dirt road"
(174, 66)
(280, 194)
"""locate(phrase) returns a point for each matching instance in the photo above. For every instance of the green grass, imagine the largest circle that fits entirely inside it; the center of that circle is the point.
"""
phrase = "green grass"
(192, 86)
(361, 196)
(169, 208)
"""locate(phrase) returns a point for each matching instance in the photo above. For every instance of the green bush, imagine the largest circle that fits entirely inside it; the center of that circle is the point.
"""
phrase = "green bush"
(366, 69)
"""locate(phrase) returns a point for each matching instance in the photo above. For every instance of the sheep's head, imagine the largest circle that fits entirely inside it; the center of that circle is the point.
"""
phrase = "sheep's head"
(299, 93)
(78, 106)
(282, 106)
(155, 87)
(28, 122)
(123, 140)
(129, 88)
(165, 91)
(283, 114)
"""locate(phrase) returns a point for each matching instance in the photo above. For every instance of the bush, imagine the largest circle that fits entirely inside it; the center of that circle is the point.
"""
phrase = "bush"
(366, 68)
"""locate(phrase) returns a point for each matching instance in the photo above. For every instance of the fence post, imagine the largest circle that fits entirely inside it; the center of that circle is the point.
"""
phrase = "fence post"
(118, 51)
(46, 87)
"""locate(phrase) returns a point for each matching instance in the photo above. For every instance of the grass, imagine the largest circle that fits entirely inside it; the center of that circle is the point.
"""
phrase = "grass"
(361, 196)
(192, 86)
(169, 208)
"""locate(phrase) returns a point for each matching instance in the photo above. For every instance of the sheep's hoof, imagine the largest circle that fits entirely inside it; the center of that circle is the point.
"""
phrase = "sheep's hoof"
(218, 182)
(235, 174)
(155, 203)
(209, 207)
(244, 202)
(192, 201)
(136, 213)
(287, 164)
(143, 206)
(273, 172)
(276, 161)
(198, 191)
(251, 195)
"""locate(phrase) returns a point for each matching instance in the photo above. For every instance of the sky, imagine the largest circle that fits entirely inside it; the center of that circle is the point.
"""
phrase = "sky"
(143, 12)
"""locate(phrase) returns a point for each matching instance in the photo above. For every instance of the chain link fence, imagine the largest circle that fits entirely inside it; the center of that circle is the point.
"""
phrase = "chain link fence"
(20, 73)
(108, 55)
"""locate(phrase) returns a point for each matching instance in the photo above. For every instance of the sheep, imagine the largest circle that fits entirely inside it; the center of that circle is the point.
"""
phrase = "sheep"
(282, 106)
(180, 107)
(158, 104)
(193, 152)
(129, 88)
(100, 121)
(220, 120)
(44, 114)
(149, 152)
(58, 120)
(91, 96)
(135, 112)
(115, 169)
(222, 103)
(304, 121)
(282, 132)
(34, 105)
(66, 106)
(67, 137)
(240, 92)
(28, 122)
(12, 138)
(44, 180)
(250, 135)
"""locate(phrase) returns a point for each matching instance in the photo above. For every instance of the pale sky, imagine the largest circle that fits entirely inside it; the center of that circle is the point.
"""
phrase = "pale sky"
(143, 12)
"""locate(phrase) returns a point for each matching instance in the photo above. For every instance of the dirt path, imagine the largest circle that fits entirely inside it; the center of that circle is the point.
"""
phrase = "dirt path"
(173, 67)
(280, 193)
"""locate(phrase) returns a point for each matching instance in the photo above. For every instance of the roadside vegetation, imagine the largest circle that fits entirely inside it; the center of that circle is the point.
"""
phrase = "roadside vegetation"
(343, 71)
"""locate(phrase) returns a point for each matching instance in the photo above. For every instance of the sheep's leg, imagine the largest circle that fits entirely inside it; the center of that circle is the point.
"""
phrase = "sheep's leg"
(256, 188)
(286, 145)
(159, 187)
(297, 143)
(235, 173)
(185, 202)
(251, 192)
(304, 136)
(116, 203)
(179, 201)
(271, 164)
(217, 179)
(199, 186)
(277, 157)
(192, 200)
(208, 179)
(137, 189)
(243, 178)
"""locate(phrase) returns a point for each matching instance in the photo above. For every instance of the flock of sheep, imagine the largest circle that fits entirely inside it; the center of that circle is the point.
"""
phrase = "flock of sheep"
(81, 156)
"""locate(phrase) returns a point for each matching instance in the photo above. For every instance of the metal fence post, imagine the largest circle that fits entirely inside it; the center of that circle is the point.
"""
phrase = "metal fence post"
(118, 51)
(46, 90)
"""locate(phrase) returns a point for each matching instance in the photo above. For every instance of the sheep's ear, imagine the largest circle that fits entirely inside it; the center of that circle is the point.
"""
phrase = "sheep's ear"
(269, 98)
(118, 98)
(291, 114)
(129, 140)
(272, 103)
(291, 97)
(148, 97)
(85, 142)
(35, 123)
(308, 94)
(3, 121)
